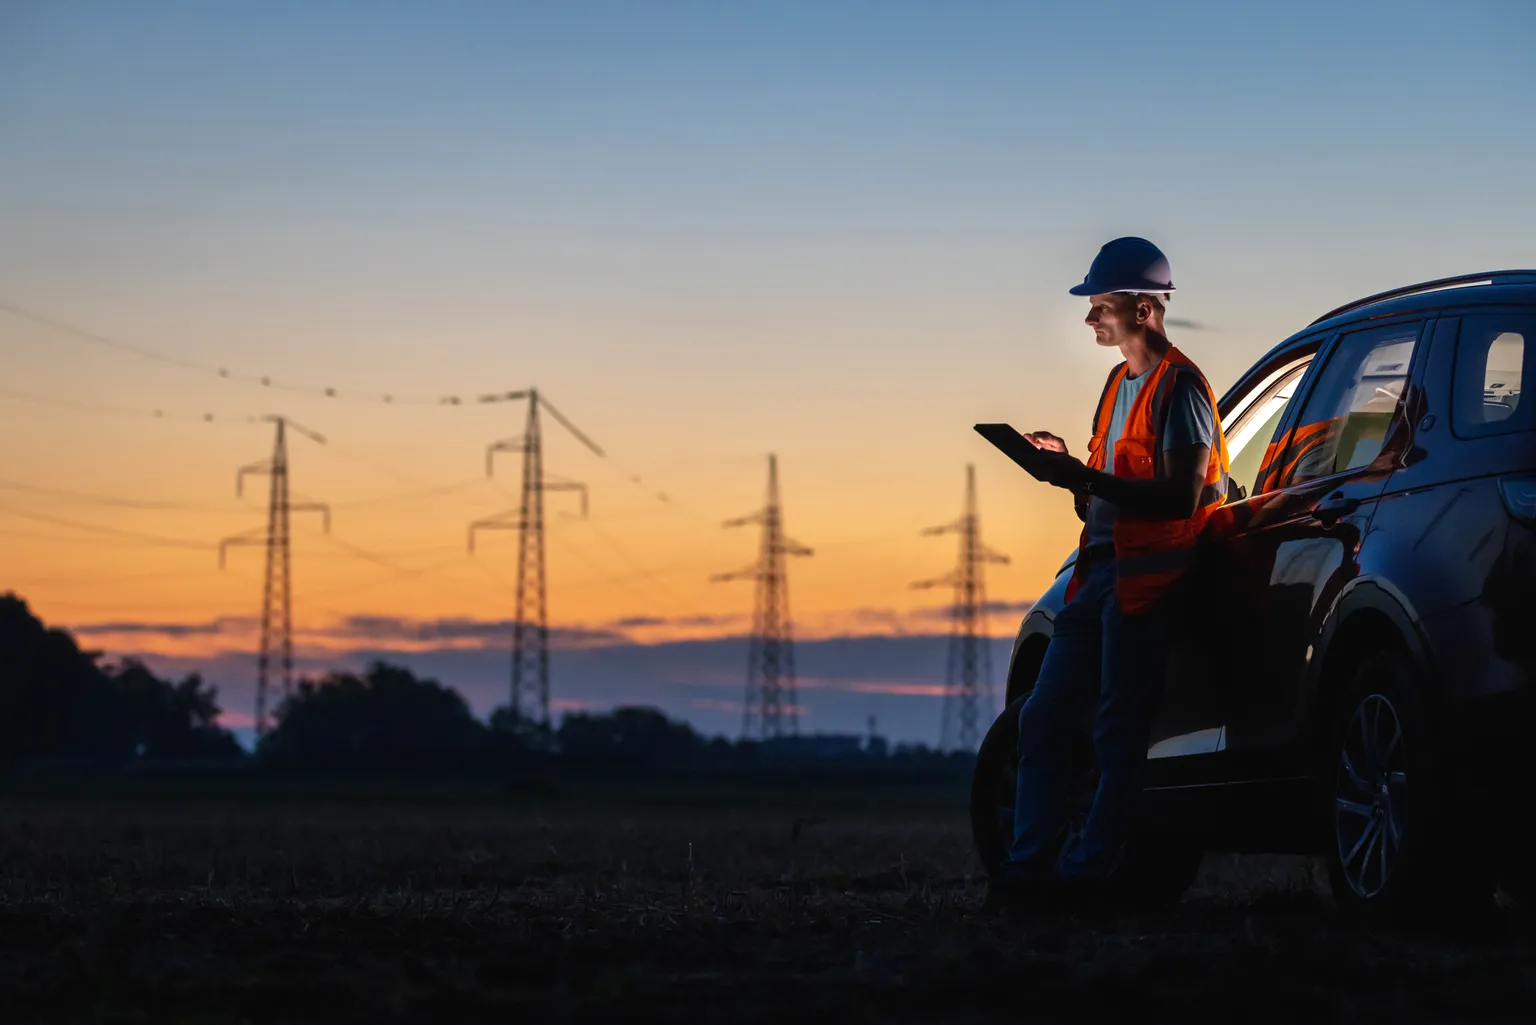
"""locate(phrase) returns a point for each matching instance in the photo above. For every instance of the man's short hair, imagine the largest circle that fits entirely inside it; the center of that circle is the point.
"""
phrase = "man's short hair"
(1158, 299)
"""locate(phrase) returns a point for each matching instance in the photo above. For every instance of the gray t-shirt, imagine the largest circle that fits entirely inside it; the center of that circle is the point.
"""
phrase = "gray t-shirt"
(1191, 421)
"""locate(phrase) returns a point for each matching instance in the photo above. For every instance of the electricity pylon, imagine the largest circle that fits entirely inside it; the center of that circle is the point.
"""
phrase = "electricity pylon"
(771, 655)
(277, 589)
(530, 637)
(968, 682)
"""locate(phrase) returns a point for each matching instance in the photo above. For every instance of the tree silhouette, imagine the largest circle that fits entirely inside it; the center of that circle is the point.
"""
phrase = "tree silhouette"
(514, 734)
(58, 701)
(627, 734)
(385, 719)
(169, 721)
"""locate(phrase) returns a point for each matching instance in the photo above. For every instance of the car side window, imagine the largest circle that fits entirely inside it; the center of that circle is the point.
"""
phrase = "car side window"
(1491, 354)
(1345, 421)
(1252, 431)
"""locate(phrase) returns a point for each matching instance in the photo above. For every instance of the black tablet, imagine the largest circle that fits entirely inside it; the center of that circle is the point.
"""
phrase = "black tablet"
(1013, 445)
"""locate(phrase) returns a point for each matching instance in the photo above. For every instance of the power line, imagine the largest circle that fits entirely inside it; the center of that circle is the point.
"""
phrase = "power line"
(28, 535)
(112, 500)
(95, 498)
(96, 578)
(604, 576)
(364, 459)
(198, 605)
(99, 339)
(263, 380)
(137, 412)
(403, 573)
(158, 539)
(609, 577)
(644, 571)
(363, 553)
(661, 496)
(266, 381)
(409, 496)
(349, 549)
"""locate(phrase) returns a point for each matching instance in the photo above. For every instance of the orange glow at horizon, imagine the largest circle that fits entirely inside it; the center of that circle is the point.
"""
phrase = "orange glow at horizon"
(639, 585)
(638, 568)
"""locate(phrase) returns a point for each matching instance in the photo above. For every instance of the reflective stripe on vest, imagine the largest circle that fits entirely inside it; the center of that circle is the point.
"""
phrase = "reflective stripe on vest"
(1151, 554)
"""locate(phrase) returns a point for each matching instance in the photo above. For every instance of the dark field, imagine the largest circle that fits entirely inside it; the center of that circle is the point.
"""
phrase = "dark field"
(139, 912)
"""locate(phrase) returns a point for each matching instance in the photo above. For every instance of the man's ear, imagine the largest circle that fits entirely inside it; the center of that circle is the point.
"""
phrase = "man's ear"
(1144, 312)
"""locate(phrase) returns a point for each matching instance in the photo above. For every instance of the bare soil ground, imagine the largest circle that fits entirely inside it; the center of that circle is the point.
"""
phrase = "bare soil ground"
(379, 914)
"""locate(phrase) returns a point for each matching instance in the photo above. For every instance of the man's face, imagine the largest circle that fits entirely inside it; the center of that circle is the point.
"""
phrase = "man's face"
(1112, 318)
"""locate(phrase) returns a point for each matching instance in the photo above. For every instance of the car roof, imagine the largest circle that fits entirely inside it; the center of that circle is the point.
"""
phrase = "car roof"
(1484, 288)
(1496, 286)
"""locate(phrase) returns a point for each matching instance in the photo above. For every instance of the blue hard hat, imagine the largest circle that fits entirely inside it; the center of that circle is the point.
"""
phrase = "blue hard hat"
(1127, 264)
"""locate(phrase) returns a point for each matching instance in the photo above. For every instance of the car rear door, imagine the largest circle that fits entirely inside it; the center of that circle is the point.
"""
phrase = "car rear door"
(1453, 533)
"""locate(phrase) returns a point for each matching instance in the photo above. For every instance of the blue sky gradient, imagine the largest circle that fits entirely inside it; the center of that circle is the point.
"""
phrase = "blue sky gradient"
(842, 232)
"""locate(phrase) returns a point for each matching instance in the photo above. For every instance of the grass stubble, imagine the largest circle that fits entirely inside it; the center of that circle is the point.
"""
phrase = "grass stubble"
(378, 914)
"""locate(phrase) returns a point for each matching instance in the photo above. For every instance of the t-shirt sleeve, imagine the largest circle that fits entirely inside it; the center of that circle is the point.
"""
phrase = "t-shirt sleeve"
(1191, 420)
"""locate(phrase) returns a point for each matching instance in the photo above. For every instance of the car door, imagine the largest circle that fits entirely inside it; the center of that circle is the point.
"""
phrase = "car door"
(1187, 732)
(1289, 549)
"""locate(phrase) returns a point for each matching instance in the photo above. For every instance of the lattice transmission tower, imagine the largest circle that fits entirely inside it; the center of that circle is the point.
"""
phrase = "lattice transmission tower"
(277, 585)
(968, 682)
(530, 618)
(770, 693)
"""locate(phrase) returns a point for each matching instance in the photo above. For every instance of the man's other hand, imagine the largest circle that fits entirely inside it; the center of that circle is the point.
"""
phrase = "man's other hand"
(1046, 441)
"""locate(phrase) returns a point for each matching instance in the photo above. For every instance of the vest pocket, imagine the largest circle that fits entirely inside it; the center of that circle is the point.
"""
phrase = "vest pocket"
(1095, 459)
(1134, 457)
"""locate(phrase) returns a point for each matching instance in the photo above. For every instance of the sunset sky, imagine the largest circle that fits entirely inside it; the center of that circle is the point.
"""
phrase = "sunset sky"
(838, 232)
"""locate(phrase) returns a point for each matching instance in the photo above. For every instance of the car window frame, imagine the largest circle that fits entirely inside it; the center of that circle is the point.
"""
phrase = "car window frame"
(1460, 318)
(1273, 373)
(1313, 348)
(1426, 321)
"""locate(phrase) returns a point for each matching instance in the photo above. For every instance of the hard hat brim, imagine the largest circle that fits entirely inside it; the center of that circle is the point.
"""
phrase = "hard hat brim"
(1094, 288)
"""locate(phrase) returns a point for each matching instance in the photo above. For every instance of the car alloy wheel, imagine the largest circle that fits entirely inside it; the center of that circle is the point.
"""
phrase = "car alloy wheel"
(1370, 794)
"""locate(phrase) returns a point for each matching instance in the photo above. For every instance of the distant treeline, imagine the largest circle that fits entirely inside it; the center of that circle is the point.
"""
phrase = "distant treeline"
(63, 705)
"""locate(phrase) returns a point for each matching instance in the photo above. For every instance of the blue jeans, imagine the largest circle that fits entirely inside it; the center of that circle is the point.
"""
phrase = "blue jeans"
(1094, 648)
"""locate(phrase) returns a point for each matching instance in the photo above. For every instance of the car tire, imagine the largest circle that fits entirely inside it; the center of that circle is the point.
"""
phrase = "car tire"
(992, 788)
(1154, 870)
(1394, 848)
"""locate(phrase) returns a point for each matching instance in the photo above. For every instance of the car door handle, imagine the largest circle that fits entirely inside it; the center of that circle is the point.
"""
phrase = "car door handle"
(1335, 506)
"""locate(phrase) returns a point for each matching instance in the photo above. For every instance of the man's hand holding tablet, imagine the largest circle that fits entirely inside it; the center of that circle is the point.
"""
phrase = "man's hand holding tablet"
(1041, 454)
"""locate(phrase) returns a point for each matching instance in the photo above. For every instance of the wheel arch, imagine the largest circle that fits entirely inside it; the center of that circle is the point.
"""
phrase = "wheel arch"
(1028, 653)
(1366, 617)
(1034, 633)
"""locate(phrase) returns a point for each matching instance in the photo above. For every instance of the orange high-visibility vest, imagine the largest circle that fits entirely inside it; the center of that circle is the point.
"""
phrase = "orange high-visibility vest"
(1150, 553)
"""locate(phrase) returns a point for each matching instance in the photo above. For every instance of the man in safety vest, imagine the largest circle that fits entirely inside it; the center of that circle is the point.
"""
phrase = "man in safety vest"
(1156, 469)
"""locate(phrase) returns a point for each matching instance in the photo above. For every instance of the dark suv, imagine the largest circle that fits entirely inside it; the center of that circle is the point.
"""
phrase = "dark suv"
(1354, 671)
